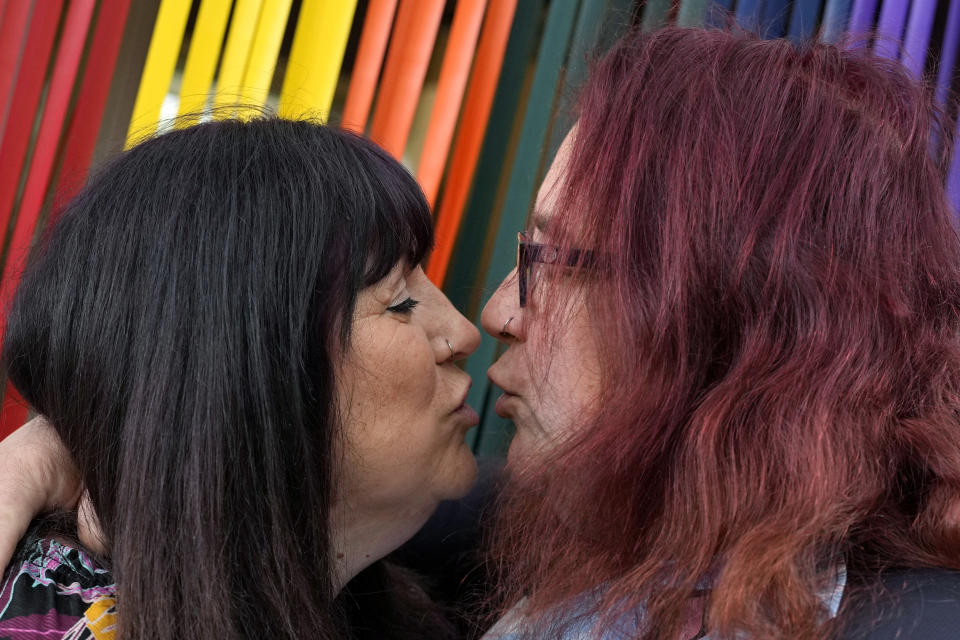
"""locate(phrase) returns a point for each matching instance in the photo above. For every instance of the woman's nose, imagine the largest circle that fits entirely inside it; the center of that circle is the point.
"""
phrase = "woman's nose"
(502, 317)
(453, 336)
(464, 336)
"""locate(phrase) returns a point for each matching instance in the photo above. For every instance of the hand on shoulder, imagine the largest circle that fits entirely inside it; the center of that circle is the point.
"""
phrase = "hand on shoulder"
(36, 475)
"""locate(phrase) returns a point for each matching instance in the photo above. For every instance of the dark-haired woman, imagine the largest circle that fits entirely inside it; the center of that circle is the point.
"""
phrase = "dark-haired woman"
(733, 355)
(229, 330)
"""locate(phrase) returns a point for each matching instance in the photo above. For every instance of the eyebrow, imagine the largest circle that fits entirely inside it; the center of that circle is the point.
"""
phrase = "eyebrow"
(540, 220)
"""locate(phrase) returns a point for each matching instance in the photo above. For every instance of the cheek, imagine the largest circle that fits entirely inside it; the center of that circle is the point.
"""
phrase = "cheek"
(392, 422)
(568, 383)
(392, 389)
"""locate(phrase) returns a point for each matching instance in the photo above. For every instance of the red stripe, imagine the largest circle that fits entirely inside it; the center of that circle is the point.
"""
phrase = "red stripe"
(70, 52)
(86, 119)
(26, 97)
(13, 27)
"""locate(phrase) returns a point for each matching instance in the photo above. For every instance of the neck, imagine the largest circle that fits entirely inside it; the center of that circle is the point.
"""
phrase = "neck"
(359, 540)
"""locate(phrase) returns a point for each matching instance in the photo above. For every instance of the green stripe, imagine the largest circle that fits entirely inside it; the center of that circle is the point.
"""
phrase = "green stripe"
(506, 119)
(527, 167)
(470, 255)
(599, 24)
(692, 13)
(655, 14)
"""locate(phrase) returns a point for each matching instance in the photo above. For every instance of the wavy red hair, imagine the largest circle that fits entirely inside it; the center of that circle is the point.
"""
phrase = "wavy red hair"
(778, 318)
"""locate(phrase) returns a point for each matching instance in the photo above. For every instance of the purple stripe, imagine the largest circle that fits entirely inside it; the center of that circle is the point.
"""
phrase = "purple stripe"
(893, 14)
(861, 18)
(835, 20)
(953, 180)
(948, 56)
(917, 39)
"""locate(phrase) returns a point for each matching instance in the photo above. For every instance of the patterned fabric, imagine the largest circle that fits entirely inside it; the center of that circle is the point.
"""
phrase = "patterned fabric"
(55, 592)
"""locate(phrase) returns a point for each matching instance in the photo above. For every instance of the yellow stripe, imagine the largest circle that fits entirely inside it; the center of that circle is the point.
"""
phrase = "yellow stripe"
(316, 57)
(263, 54)
(158, 68)
(236, 52)
(202, 58)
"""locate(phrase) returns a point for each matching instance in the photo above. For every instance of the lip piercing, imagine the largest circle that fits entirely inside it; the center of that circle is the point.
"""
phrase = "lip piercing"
(450, 346)
(503, 332)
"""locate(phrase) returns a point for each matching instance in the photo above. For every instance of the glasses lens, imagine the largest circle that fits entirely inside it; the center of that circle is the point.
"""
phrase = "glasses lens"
(523, 267)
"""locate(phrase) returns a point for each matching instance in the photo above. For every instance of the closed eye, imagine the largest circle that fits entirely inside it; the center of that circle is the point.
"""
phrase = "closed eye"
(404, 307)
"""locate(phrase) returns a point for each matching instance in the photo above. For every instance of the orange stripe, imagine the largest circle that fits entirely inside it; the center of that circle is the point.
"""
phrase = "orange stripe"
(446, 107)
(406, 68)
(392, 67)
(369, 60)
(476, 113)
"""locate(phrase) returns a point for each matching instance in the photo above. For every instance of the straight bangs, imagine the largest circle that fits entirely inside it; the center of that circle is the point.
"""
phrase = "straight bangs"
(397, 225)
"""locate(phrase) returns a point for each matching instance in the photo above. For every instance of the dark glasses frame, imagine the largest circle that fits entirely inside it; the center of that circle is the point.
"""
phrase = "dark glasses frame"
(529, 252)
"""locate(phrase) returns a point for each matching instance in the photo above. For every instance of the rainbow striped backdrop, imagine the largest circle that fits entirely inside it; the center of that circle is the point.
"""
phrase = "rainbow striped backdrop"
(468, 93)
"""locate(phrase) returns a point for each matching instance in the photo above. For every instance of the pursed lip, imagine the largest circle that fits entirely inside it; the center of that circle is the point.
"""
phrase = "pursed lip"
(465, 411)
(497, 380)
(463, 398)
(505, 406)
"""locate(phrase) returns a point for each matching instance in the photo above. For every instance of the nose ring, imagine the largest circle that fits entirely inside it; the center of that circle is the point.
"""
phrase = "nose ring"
(503, 332)
(450, 346)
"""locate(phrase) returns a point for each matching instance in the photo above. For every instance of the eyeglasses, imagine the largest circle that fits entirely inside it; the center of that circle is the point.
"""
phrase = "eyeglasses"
(529, 253)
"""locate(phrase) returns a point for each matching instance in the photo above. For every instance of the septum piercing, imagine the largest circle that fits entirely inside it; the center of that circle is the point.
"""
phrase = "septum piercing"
(503, 332)
(450, 346)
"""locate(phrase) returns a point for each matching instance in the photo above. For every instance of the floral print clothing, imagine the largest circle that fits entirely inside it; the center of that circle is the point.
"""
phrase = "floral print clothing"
(52, 591)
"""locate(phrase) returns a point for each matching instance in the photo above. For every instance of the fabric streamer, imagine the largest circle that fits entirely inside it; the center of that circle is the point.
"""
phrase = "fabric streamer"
(158, 68)
(407, 61)
(893, 15)
(315, 58)
(803, 20)
(59, 92)
(835, 16)
(476, 115)
(24, 101)
(13, 28)
(446, 107)
(205, 46)
(917, 38)
(83, 126)
(236, 54)
(520, 192)
(366, 67)
(948, 53)
(263, 54)
(861, 17)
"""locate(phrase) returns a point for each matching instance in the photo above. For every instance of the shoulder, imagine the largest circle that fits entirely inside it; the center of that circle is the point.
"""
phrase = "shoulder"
(577, 620)
(51, 588)
(903, 605)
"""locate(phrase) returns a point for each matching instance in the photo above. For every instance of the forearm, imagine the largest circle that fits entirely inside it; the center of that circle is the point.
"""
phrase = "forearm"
(36, 474)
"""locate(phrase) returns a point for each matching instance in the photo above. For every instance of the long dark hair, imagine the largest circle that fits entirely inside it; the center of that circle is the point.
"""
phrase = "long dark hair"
(180, 326)
(782, 291)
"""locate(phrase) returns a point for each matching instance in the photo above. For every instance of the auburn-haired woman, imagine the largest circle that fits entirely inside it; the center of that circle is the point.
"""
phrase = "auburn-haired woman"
(733, 355)
(230, 331)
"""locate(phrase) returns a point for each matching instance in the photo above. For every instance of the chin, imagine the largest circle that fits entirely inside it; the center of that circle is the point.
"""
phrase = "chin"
(464, 477)
(528, 447)
(516, 454)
